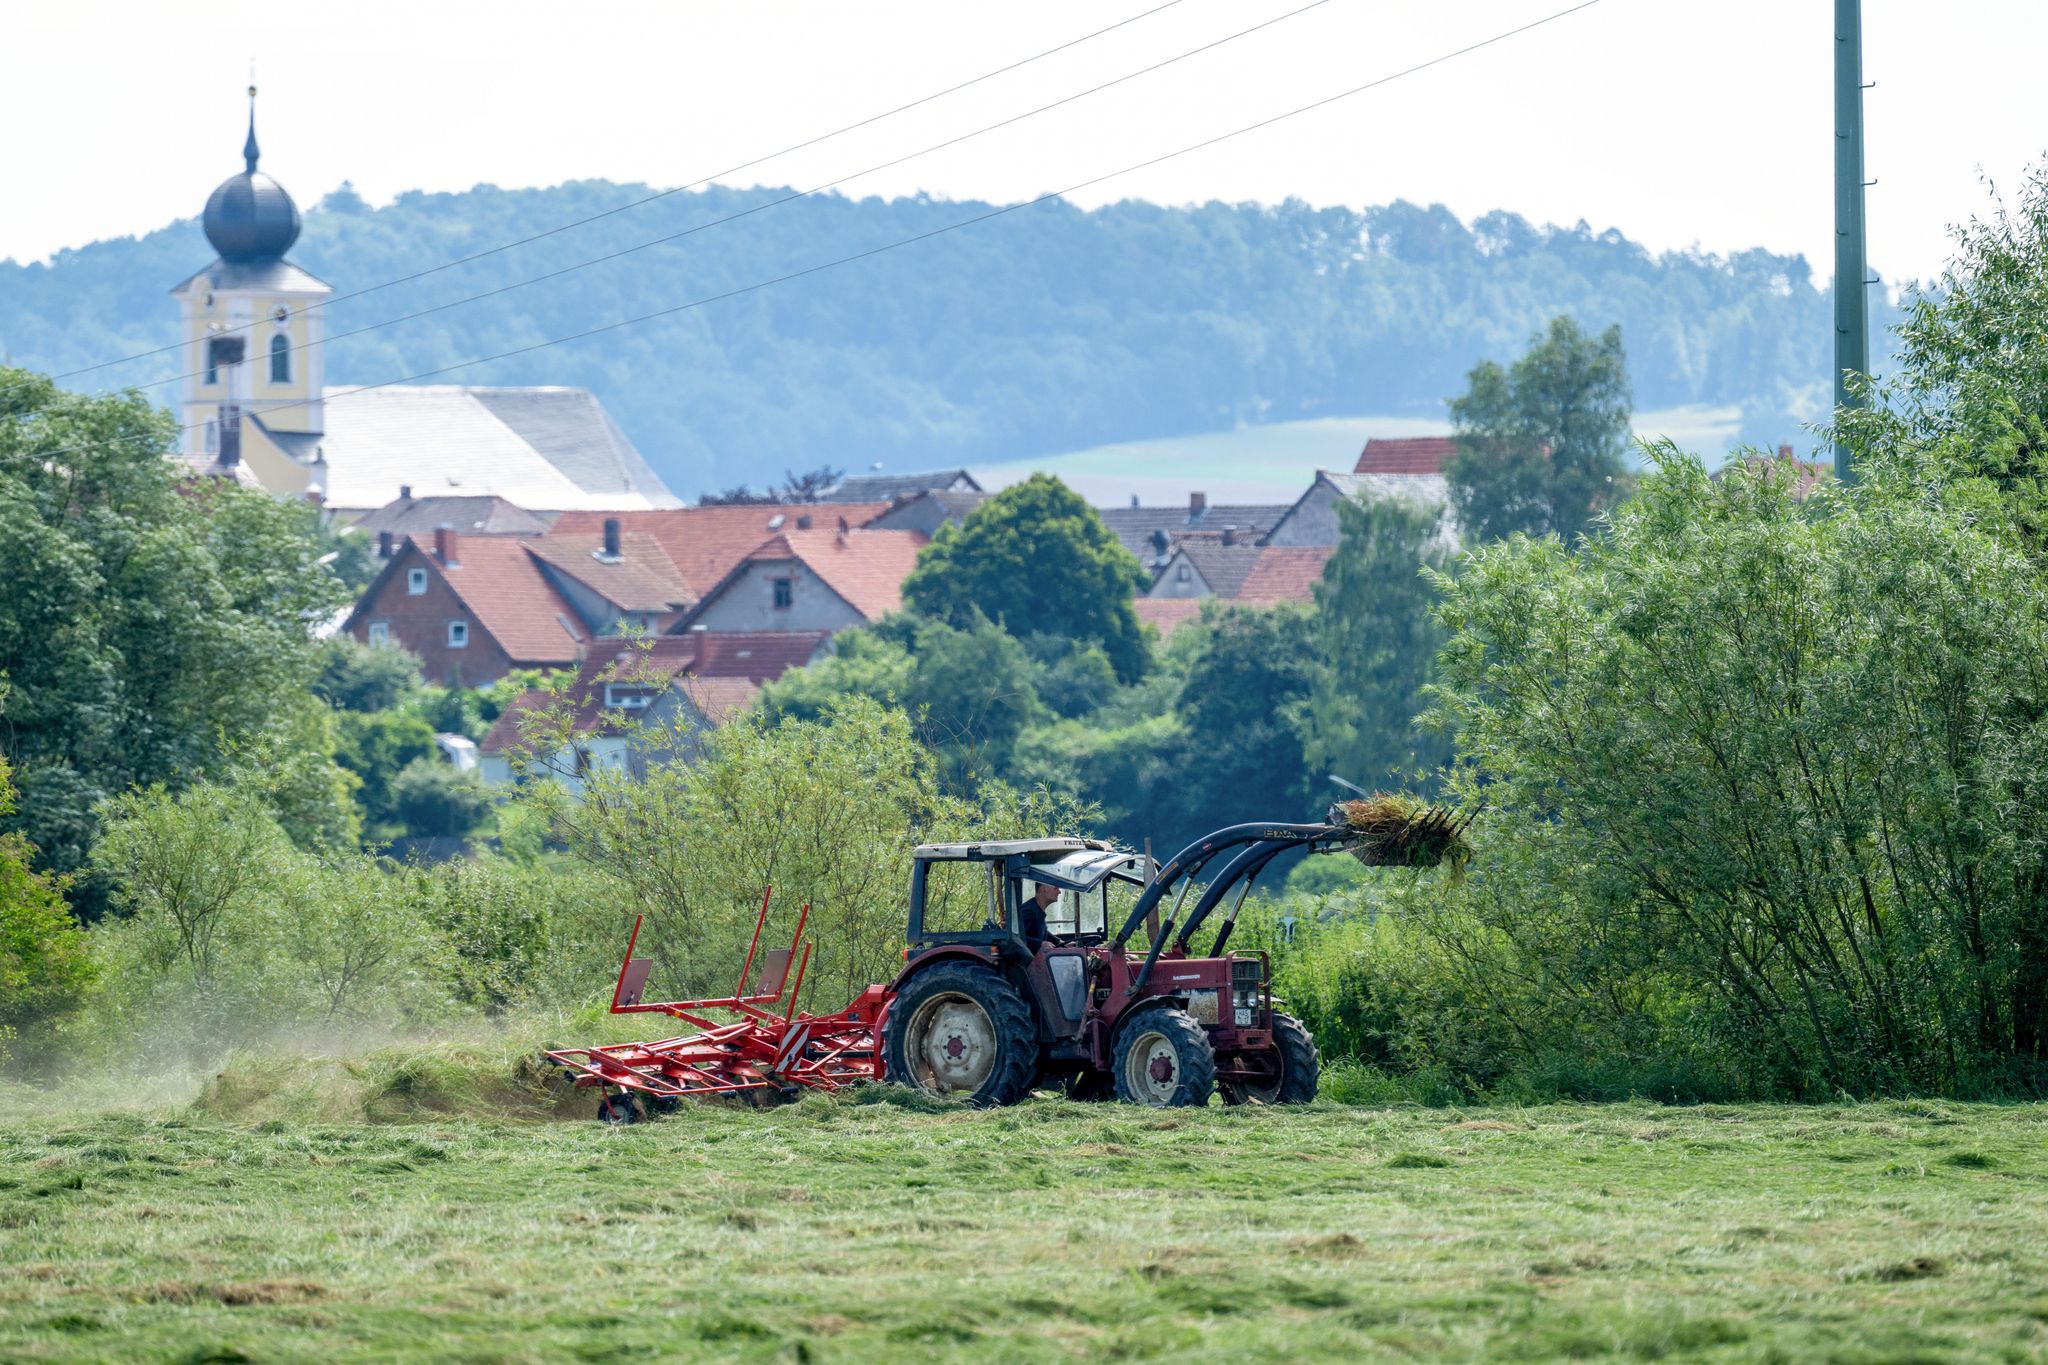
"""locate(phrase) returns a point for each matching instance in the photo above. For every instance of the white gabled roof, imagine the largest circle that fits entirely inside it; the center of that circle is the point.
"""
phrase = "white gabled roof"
(542, 449)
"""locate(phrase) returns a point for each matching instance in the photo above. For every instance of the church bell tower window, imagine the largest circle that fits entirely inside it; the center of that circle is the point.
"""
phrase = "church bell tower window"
(280, 360)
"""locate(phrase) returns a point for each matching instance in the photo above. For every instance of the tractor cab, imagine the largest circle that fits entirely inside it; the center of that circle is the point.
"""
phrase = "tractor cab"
(973, 895)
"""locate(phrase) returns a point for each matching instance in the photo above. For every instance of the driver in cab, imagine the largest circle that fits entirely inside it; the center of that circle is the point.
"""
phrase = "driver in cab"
(1033, 915)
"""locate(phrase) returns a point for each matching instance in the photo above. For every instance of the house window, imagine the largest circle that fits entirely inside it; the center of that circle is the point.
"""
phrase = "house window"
(416, 582)
(212, 436)
(280, 360)
(380, 632)
(785, 593)
(627, 697)
(458, 634)
(212, 367)
(1181, 575)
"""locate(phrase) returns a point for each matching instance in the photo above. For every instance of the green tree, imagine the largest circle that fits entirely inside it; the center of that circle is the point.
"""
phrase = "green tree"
(358, 677)
(1036, 559)
(431, 800)
(1378, 637)
(1973, 361)
(45, 966)
(1240, 755)
(147, 628)
(1785, 757)
(377, 746)
(1540, 443)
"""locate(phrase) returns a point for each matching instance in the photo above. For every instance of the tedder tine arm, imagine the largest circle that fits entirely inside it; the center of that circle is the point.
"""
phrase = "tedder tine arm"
(759, 921)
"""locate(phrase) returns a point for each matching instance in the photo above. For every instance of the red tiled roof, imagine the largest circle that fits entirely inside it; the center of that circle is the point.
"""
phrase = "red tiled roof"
(704, 543)
(1802, 476)
(642, 578)
(719, 673)
(1168, 613)
(867, 568)
(1406, 455)
(1285, 573)
(510, 597)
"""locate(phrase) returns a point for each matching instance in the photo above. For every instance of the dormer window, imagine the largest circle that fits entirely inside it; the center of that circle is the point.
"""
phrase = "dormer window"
(280, 360)
(416, 582)
(627, 696)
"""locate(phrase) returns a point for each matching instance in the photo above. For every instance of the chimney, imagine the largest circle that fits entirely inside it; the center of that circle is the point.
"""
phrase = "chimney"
(611, 538)
(444, 545)
(383, 545)
(405, 492)
(803, 521)
(1785, 451)
(1230, 535)
(1198, 503)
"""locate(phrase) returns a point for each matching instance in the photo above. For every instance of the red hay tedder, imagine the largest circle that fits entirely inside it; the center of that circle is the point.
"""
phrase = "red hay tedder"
(1004, 989)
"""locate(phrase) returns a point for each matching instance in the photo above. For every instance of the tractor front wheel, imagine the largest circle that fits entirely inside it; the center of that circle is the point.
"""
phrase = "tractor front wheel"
(1163, 1059)
(1297, 1064)
(959, 1029)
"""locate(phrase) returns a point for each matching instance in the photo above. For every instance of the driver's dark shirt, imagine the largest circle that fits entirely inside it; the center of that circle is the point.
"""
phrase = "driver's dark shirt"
(1034, 925)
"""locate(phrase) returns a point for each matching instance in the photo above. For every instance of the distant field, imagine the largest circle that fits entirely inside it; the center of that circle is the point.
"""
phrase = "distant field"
(1274, 463)
(843, 1230)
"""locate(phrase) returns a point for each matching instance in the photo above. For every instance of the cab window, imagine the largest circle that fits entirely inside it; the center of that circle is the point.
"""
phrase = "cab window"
(957, 896)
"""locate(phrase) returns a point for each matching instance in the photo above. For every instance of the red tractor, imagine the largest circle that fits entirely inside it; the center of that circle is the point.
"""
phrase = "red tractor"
(977, 1014)
(991, 1002)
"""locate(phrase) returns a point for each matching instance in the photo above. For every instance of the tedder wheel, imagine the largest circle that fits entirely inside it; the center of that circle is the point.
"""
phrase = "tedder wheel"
(1163, 1058)
(1294, 1052)
(959, 1029)
(618, 1108)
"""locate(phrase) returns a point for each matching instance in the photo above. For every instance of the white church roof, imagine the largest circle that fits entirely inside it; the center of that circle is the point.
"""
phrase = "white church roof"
(551, 449)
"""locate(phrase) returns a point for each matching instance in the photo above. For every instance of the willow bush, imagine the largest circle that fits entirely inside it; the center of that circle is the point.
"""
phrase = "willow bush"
(1780, 758)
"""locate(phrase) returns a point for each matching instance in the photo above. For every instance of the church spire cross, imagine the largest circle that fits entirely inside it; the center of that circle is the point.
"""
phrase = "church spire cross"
(249, 149)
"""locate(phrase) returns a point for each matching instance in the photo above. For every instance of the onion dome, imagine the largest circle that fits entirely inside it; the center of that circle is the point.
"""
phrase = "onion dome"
(250, 218)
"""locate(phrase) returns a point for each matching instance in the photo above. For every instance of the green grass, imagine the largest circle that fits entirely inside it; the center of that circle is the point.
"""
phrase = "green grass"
(849, 1229)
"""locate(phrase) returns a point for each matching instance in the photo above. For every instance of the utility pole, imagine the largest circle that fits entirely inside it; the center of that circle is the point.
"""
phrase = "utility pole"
(1852, 312)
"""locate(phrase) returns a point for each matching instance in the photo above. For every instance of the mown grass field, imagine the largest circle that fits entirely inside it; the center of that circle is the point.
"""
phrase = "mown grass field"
(852, 1229)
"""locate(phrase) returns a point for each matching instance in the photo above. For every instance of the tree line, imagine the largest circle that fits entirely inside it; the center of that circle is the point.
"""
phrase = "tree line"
(1045, 330)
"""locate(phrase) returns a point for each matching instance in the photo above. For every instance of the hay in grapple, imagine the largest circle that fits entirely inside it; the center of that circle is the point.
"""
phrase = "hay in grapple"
(1394, 829)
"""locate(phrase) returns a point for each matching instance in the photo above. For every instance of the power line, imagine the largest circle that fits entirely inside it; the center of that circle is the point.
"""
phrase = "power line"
(659, 194)
(773, 203)
(970, 221)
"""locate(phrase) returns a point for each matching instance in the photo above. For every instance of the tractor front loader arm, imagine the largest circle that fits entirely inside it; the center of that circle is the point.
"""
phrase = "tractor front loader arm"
(1191, 859)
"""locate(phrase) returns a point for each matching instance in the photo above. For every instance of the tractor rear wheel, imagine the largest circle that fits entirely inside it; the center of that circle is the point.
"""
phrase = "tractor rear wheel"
(1299, 1067)
(959, 1029)
(1163, 1058)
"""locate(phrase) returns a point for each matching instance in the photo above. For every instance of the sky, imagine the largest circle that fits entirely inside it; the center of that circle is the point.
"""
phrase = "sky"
(1683, 125)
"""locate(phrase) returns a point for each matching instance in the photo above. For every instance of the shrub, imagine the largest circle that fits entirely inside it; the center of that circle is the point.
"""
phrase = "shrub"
(432, 800)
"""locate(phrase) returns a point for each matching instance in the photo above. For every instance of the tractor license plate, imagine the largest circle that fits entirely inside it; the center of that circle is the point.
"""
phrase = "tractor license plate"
(1244, 1018)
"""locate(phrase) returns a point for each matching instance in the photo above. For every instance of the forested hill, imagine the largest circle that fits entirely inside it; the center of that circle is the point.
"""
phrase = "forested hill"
(1039, 331)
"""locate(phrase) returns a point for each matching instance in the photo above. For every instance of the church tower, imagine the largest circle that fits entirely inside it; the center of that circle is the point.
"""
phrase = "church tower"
(253, 337)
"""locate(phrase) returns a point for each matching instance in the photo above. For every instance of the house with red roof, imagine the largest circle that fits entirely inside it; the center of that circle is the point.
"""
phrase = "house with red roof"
(1405, 455)
(705, 543)
(473, 608)
(810, 577)
(638, 701)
